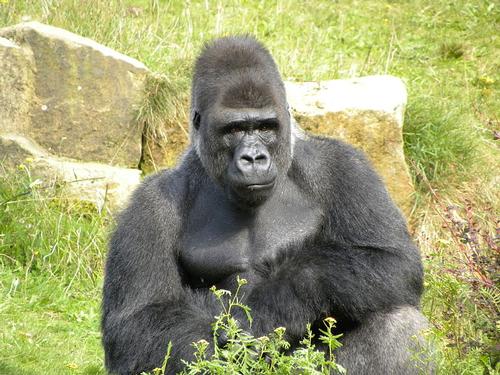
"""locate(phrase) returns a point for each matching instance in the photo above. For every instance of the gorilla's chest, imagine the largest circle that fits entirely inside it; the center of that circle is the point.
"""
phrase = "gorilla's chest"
(220, 240)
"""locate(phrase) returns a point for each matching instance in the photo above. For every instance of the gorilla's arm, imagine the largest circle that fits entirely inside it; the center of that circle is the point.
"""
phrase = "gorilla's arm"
(362, 261)
(145, 304)
(332, 279)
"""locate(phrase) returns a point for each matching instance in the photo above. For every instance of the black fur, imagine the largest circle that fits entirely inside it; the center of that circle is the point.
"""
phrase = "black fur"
(305, 219)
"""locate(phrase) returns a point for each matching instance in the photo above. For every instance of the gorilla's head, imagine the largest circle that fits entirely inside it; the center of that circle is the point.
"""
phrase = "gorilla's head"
(240, 120)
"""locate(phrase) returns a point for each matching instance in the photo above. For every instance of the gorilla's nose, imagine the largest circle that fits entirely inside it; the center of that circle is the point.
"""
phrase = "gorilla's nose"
(251, 159)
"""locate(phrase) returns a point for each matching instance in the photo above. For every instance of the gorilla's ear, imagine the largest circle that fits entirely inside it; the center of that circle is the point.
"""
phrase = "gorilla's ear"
(196, 120)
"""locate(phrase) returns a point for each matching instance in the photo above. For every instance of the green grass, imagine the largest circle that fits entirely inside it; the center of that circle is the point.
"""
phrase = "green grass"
(46, 328)
(51, 260)
(448, 53)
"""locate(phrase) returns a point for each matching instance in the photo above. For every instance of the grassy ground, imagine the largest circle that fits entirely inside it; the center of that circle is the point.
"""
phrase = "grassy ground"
(448, 52)
(51, 256)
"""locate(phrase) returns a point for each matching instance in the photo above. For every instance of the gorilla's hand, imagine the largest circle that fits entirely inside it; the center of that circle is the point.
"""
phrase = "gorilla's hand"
(222, 338)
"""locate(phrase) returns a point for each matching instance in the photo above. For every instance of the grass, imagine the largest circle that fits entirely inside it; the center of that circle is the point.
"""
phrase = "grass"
(460, 244)
(47, 329)
(448, 53)
(51, 253)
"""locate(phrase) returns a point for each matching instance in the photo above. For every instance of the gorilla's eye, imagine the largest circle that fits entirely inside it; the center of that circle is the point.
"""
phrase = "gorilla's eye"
(268, 125)
(233, 128)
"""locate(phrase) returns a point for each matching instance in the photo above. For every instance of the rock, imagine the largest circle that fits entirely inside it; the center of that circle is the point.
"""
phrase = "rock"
(69, 106)
(100, 184)
(365, 112)
(83, 96)
(16, 87)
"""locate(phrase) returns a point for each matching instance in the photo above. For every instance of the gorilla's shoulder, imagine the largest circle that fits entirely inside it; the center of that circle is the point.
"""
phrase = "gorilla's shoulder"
(329, 160)
(169, 184)
(169, 188)
(343, 179)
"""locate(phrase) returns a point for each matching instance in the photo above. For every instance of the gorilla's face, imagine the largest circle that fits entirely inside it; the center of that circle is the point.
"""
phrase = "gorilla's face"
(241, 125)
(245, 150)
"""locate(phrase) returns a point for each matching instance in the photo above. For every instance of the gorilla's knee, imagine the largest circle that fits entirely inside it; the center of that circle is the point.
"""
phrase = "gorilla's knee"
(388, 343)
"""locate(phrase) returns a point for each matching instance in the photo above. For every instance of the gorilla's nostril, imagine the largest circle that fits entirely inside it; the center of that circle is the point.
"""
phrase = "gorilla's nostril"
(261, 157)
(247, 158)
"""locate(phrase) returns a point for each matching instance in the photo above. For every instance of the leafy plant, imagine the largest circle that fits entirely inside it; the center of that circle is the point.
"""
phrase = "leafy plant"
(270, 354)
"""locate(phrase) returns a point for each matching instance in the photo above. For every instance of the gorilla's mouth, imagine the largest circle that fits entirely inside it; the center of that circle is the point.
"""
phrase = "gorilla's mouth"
(250, 189)
(251, 193)
(258, 187)
(251, 184)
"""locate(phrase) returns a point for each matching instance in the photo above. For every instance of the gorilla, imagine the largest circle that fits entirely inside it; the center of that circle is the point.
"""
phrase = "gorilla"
(304, 219)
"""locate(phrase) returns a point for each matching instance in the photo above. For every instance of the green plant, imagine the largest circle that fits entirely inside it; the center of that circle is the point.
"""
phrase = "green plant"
(270, 354)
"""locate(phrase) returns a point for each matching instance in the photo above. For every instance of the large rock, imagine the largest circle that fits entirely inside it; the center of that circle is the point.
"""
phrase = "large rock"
(16, 87)
(365, 112)
(83, 96)
(69, 106)
(100, 184)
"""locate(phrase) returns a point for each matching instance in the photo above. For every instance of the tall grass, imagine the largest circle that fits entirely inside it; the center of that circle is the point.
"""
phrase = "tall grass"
(51, 260)
(41, 231)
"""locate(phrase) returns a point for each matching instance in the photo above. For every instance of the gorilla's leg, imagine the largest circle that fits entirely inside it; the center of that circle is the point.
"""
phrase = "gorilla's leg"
(387, 344)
